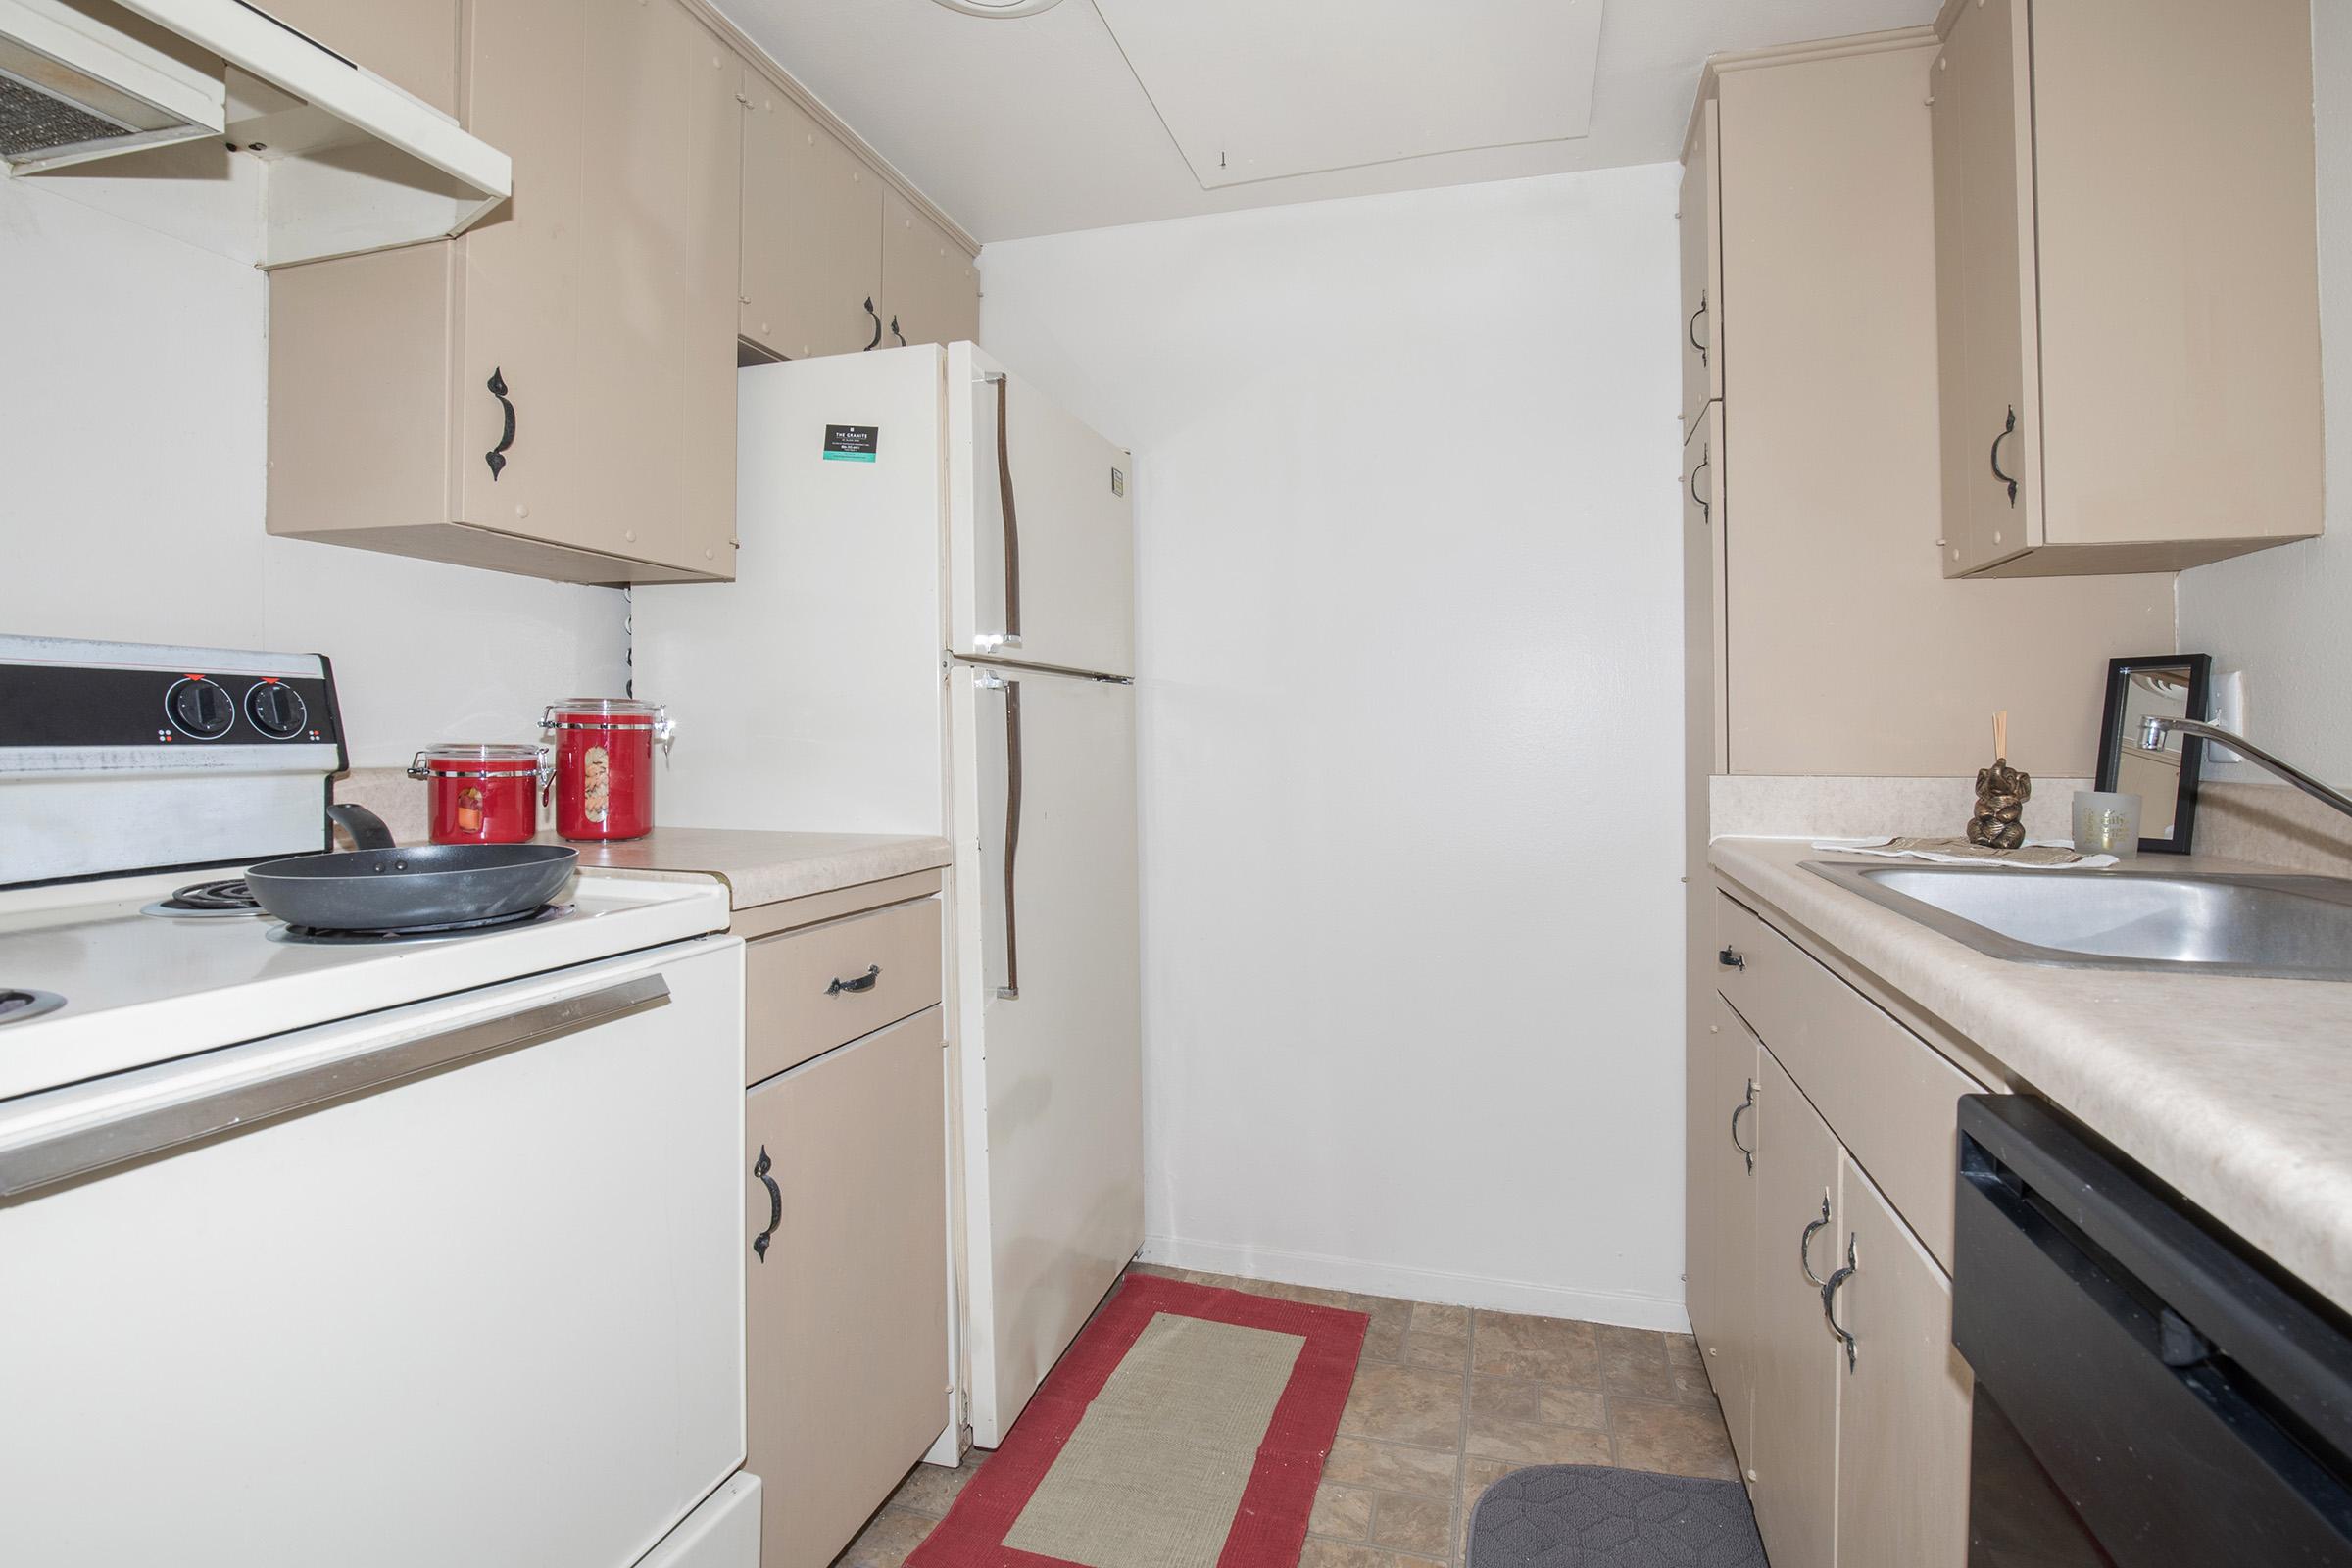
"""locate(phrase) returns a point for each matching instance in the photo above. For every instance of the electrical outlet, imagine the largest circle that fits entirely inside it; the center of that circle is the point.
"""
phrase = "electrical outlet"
(2228, 713)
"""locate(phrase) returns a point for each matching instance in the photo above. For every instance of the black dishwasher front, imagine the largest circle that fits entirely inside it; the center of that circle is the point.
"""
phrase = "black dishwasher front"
(2148, 1394)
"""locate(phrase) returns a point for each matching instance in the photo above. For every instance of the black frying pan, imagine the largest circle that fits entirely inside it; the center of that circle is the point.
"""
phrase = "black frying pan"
(381, 886)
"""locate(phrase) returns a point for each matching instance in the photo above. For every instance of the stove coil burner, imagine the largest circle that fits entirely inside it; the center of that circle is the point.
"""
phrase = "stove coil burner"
(17, 1006)
(208, 899)
(321, 936)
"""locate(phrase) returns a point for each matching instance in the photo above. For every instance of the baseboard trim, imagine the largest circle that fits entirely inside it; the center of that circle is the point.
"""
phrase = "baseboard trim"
(1625, 1308)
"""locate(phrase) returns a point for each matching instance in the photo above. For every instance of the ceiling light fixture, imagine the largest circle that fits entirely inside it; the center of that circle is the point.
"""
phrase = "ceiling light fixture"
(1000, 8)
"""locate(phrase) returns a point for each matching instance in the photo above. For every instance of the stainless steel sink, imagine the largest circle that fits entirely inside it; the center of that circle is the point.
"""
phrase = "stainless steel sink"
(2184, 922)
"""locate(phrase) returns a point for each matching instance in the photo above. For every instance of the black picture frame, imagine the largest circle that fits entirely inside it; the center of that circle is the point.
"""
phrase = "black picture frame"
(2200, 670)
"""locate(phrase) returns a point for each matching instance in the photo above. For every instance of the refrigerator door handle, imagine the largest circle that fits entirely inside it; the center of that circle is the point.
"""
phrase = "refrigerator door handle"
(990, 681)
(990, 642)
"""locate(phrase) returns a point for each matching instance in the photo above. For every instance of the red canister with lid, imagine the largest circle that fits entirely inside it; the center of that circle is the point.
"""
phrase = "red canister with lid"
(483, 793)
(605, 765)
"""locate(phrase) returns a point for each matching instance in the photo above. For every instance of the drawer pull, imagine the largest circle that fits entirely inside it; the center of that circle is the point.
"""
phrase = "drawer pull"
(1829, 1299)
(1730, 958)
(1748, 1104)
(864, 982)
(775, 1204)
(1804, 1246)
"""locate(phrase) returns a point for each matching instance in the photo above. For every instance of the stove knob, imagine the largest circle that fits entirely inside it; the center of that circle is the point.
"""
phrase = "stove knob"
(276, 710)
(199, 707)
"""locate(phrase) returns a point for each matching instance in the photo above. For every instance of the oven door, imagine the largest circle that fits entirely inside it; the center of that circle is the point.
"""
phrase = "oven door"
(2147, 1394)
(457, 1283)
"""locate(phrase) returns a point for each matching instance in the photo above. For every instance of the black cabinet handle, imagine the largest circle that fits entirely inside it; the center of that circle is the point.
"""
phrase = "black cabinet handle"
(1691, 329)
(895, 333)
(870, 311)
(775, 1203)
(2007, 430)
(864, 982)
(1706, 512)
(496, 457)
(1730, 958)
(1738, 1111)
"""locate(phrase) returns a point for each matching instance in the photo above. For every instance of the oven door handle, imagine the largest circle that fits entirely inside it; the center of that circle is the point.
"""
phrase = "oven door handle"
(114, 1132)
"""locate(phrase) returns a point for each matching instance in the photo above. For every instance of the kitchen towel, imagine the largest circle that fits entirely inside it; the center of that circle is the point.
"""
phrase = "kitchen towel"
(2041, 855)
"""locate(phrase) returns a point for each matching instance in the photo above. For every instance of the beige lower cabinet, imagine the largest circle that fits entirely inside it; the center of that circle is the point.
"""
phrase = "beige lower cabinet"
(1721, 1201)
(1825, 1320)
(845, 1215)
(1793, 1455)
(1903, 1432)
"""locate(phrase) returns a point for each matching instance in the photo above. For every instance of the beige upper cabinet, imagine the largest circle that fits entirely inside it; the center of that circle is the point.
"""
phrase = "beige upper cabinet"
(2126, 279)
(551, 393)
(847, 1317)
(1703, 270)
(1818, 164)
(411, 44)
(930, 289)
(812, 232)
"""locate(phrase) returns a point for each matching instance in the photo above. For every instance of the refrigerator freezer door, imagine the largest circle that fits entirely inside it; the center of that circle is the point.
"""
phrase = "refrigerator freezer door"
(1048, 996)
(1049, 579)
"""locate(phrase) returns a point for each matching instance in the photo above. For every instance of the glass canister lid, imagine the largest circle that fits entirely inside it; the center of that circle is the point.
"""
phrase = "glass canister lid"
(612, 712)
(477, 758)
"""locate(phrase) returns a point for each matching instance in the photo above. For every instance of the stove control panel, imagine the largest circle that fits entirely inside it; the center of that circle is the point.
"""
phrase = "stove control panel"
(121, 758)
(63, 705)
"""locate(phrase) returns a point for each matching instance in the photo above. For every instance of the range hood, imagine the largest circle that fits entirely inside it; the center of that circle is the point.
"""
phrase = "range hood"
(351, 163)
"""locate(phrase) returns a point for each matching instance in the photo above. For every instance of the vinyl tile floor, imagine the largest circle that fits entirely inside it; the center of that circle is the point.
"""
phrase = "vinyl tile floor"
(1447, 1401)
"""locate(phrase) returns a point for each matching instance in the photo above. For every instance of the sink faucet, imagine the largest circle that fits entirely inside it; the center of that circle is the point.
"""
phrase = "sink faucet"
(2154, 728)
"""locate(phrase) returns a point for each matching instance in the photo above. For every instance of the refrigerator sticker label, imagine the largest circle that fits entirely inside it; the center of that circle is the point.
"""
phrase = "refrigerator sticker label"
(851, 443)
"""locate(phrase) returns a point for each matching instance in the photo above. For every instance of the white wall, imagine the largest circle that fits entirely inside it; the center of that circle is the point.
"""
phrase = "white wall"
(1411, 670)
(2285, 615)
(132, 437)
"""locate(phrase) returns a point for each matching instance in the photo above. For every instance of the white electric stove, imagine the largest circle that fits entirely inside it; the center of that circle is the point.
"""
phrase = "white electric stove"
(355, 1250)
(118, 982)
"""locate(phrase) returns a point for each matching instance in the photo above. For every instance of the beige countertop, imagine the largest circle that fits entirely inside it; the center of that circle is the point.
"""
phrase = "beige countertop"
(765, 868)
(2237, 1092)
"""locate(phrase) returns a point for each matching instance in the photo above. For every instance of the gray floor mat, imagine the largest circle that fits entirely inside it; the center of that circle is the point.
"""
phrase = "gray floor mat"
(1596, 1516)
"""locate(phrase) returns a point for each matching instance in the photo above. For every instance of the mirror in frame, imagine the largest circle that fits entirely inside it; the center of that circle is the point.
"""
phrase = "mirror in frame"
(2160, 685)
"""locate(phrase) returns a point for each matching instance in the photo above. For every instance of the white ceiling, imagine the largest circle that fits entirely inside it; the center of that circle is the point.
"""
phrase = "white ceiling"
(1227, 79)
(1040, 124)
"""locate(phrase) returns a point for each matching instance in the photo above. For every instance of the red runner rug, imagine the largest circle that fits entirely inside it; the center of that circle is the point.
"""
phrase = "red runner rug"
(1268, 1528)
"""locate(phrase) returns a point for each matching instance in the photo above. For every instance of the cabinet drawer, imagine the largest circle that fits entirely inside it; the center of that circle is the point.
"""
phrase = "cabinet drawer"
(795, 1010)
(1888, 1093)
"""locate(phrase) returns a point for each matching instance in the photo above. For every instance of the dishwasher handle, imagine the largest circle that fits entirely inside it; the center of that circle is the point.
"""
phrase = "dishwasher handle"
(75, 1148)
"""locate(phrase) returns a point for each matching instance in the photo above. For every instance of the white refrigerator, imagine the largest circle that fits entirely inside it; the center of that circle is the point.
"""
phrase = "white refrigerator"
(931, 630)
